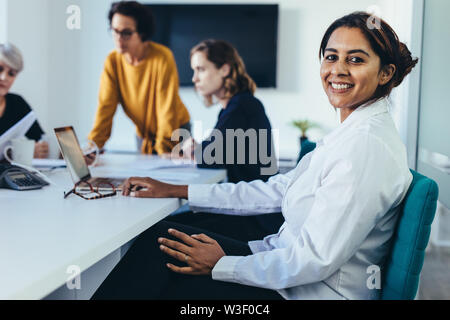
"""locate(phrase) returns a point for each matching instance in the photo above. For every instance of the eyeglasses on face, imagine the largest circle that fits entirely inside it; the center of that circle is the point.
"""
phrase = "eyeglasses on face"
(87, 191)
(124, 34)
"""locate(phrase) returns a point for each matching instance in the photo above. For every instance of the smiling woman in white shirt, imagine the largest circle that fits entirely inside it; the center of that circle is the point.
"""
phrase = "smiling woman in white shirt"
(340, 203)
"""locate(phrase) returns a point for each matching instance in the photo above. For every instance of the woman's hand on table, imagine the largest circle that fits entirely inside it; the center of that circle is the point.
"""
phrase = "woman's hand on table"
(186, 151)
(188, 148)
(200, 252)
(150, 188)
(90, 158)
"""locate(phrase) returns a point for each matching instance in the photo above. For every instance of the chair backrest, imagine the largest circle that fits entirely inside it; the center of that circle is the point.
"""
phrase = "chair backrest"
(306, 147)
(402, 270)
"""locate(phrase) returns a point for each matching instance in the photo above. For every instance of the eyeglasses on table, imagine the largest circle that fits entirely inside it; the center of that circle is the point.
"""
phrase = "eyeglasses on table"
(88, 191)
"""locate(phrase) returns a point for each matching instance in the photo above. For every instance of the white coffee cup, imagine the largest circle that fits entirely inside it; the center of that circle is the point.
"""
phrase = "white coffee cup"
(22, 151)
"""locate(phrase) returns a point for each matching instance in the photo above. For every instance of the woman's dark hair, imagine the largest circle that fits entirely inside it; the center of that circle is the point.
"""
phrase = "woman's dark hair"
(221, 52)
(142, 15)
(384, 42)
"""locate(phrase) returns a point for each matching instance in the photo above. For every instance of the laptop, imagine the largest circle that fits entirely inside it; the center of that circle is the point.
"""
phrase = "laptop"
(79, 170)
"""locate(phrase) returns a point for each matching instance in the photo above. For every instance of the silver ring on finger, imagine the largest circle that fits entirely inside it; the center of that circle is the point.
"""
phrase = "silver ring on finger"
(186, 257)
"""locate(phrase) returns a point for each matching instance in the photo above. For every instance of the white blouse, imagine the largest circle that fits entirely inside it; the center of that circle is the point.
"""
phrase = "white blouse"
(340, 206)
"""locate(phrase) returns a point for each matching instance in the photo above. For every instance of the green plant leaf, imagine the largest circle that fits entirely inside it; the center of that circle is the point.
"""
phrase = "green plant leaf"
(304, 125)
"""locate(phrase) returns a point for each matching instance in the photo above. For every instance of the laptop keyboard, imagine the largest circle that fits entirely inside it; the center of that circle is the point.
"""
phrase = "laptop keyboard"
(98, 181)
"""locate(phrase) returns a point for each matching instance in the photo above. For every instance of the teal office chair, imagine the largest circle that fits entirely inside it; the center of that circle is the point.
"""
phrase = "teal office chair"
(402, 270)
(306, 147)
(401, 273)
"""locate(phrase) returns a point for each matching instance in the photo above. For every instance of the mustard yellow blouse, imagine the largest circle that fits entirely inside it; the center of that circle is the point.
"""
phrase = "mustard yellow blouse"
(148, 94)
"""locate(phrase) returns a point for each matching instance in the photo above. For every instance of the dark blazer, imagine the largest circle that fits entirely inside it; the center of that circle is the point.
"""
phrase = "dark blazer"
(245, 112)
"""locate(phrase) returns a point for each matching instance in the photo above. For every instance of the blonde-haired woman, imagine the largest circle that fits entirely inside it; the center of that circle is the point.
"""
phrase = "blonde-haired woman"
(231, 70)
(13, 107)
(220, 77)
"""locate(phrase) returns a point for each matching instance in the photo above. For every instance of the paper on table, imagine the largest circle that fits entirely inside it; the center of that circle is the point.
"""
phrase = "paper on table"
(160, 163)
(17, 131)
(48, 163)
(174, 176)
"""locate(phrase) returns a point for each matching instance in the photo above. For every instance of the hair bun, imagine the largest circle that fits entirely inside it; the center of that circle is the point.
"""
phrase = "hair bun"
(405, 64)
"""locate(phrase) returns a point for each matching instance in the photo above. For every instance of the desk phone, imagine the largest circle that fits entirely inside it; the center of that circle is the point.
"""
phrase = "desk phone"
(16, 178)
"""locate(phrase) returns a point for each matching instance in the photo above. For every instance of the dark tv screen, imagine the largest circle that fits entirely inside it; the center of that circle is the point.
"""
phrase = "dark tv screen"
(251, 29)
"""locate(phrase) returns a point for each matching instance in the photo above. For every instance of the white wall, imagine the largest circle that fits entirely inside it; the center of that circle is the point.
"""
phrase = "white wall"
(3, 21)
(67, 65)
(32, 39)
(405, 98)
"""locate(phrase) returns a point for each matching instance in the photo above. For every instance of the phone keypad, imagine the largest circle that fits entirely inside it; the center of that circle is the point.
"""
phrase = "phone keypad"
(26, 182)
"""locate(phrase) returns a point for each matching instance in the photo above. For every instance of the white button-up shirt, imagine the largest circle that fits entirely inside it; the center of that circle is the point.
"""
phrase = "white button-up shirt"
(340, 206)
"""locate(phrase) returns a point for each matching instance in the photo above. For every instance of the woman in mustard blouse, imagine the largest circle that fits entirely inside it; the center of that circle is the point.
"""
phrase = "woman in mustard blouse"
(141, 76)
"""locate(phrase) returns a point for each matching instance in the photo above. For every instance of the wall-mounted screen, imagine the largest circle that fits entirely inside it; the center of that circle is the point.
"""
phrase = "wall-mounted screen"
(252, 29)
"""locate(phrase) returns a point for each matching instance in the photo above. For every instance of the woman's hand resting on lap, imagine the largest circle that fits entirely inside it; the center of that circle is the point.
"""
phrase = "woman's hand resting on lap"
(200, 252)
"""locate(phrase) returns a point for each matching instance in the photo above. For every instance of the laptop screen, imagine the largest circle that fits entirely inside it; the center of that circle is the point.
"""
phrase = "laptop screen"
(71, 151)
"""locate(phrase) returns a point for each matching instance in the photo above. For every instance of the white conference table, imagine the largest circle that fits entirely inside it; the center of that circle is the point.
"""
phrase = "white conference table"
(43, 236)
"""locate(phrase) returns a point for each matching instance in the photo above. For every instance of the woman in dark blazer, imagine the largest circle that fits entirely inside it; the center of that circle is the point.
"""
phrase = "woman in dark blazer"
(241, 141)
